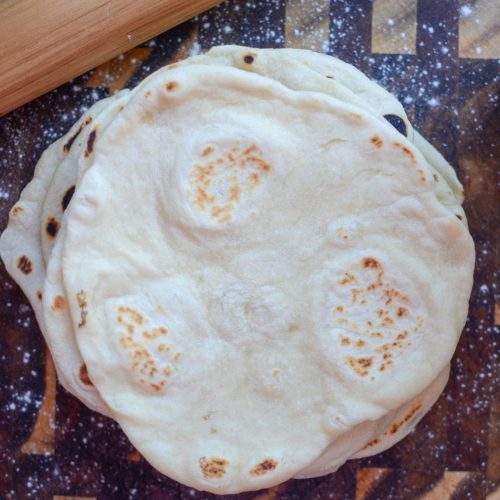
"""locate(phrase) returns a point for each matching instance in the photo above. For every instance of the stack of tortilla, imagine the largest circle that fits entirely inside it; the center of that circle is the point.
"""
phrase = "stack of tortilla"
(250, 261)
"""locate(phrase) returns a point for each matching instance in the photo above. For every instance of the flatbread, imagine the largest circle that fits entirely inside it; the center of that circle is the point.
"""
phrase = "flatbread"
(20, 243)
(328, 202)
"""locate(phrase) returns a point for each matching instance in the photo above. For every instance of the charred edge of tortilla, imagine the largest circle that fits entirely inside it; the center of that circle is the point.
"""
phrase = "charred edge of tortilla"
(67, 197)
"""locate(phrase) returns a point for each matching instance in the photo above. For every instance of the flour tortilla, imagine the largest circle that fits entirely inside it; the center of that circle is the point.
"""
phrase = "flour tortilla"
(67, 175)
(20, 243)
(194, 272)
(64, 179)
(58, 326)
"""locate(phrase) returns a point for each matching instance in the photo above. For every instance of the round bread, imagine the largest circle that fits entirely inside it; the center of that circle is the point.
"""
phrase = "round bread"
(279, 251)
(20, 243)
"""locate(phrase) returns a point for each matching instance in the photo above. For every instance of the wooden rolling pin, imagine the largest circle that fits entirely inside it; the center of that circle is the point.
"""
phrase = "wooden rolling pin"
(44, 43)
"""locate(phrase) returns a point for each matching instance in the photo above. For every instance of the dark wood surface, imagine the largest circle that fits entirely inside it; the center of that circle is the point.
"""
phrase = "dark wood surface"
(447, 76)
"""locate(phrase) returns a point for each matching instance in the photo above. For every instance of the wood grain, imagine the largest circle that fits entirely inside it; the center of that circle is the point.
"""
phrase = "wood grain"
(307, 24)
(394, 26)
(479, 29)
(44, 43)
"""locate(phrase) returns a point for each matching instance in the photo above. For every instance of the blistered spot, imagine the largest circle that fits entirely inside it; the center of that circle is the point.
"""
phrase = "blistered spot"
(385, 331)
(17, 211)
(360, 365)
(84, 375)
(264, 467)
(52, 227)
(59, 304)
(89, 148)
(67, 198)
(133, 337)
(398, 123)
(331, 77)
(82, 304)
(435, 177)
(24, 264)
(39, 295)
(223, 179)
(249, 58)
(377, 142)
(172, 86)
(213, 468)
(147, 94)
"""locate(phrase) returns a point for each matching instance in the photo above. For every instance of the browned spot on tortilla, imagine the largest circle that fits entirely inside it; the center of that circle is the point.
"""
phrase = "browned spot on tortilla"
(59, 304)
(213, 468)
(373, 442)
(344, 341)
(436, 178)
(377, 142)
(249, 58)
(171, 86)
(207, 151)
(356, 117)
(406, 151)
(52, 227)
(147, 94)
(360, 365)
(340, 308)
(395, 427)
(89, 148)
(331, 77)
(67, 197)
(360, 343)
(264, 467)
(154, 333)
(162, 347)
(16, 211)
(402, 312)
(84, 375)
(348, 278)
(24, 264)
(387, 321)
(136, 316)
(459, 216)
(371, 263)
(158, 387)
(39, 295)
(82, 304)
(71, 140)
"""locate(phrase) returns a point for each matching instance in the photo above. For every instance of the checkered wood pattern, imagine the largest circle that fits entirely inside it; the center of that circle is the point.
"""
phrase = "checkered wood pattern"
(441, 60)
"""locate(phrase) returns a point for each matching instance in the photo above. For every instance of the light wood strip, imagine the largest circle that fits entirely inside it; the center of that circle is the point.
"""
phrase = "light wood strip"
(42, 438)
(446, 486)
(394, 26)
(307, 24)
(367, 479)
(479, 29)
(44, 43)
